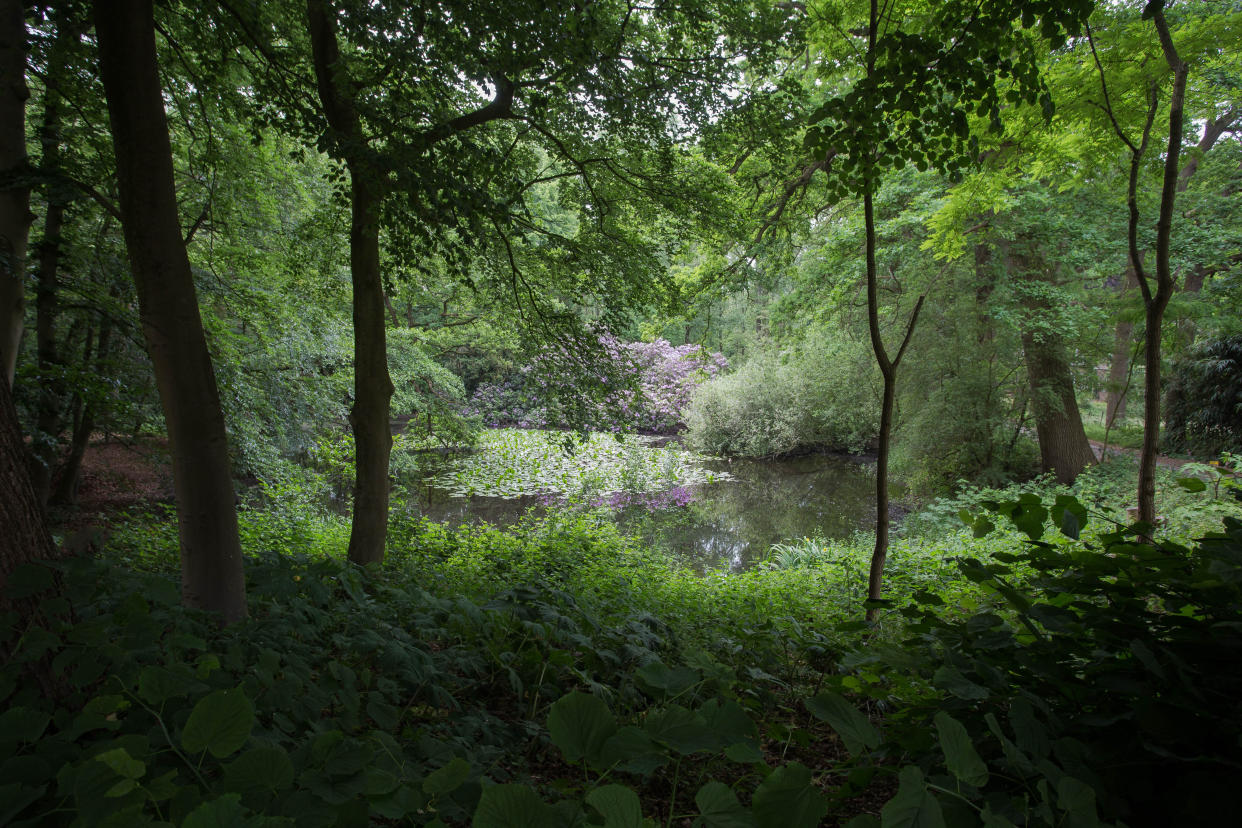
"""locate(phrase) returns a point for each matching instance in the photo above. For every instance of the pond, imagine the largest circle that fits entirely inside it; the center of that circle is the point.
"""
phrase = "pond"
(712, 513)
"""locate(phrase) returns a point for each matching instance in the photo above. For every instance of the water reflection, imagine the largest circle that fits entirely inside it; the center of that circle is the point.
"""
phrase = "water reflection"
(728, 524)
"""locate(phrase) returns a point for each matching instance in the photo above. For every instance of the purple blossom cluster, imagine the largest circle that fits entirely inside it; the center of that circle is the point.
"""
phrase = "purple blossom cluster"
(666, 377)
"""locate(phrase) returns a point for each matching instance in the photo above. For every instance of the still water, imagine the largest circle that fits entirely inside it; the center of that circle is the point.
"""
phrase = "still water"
(729, 523)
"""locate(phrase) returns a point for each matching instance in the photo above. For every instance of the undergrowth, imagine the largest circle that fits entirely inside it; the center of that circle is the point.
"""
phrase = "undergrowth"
(559, 674)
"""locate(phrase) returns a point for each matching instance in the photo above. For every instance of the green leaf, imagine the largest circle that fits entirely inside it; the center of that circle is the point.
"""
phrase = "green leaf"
(448, 778)
(719, 808)
(122, 763)
(579, 724)
(855, 731)
(264, 768)
(22, 724)
(994, 820)
(157, 685)
(1070, 515)
(788, 799)
(948, 678)
(514, 806)
(219, 723)
(671, 681)
(1078, 799)
(913, 806)
(746, 753)
(631, 749)
(683, 730)
(1191, 484)
(863, 821)
(618, 805)
(225, 812)
(960, 755)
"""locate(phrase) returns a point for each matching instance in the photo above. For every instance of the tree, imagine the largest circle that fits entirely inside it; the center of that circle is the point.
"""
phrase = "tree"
(211, 561)
(25, 537)
(1156, 301)
(15, 215)
(445, 122)
(909, 103)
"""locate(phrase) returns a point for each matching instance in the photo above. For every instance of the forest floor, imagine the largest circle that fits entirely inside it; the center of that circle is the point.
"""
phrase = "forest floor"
(118, 476)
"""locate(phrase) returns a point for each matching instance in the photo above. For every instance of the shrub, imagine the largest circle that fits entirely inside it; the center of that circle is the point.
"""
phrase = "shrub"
(1203, 413)
(821, 396)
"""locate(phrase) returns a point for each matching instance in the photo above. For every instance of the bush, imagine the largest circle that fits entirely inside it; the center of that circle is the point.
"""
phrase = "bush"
(820, 396)
(1203, 404)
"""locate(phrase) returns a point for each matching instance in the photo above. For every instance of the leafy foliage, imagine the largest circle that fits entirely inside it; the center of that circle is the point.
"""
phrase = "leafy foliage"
(1204, 399)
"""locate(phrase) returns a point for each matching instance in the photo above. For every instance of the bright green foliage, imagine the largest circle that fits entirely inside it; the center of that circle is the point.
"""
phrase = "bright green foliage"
(512, 463)
(817, 396)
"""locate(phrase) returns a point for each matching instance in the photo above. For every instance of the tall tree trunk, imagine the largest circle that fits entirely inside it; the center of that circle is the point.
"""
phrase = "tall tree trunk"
(15, 216)
(1119, 367)
(211, 561)
(1063, 445)
(1158, 301)
(888, 370)
(372, 384)
(373, 387)
(49, 419)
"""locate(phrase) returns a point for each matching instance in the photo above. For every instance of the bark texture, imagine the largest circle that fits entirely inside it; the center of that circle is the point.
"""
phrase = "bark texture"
(372, 384)
(1063, 446)
(211, 561)
(15, 216)
(23, 534)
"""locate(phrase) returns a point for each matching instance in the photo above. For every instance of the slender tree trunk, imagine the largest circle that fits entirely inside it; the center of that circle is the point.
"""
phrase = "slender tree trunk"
(211, 561)
(1158, 301)
(1119, 365)
(888, 370)
(66, 491)
(51, 395)
(372, 385)
(15, 216)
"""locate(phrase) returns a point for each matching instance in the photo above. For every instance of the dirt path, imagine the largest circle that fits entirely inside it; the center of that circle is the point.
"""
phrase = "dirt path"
(1173, 463)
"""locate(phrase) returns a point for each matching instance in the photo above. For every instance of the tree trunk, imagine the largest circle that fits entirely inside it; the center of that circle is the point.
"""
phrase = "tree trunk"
(24, 537)
(1119, 366)
(66, 491)
(888, 369)
(49, 419)
(211, 561)
(1156, 302)
(1063, 446)
(15, 216)
(372, 385)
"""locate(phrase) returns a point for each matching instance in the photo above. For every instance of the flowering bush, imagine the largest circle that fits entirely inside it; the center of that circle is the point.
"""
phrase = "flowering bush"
(662, 379)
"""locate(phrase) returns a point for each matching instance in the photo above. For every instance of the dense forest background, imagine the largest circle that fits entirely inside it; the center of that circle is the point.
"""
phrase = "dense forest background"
(297, 262)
